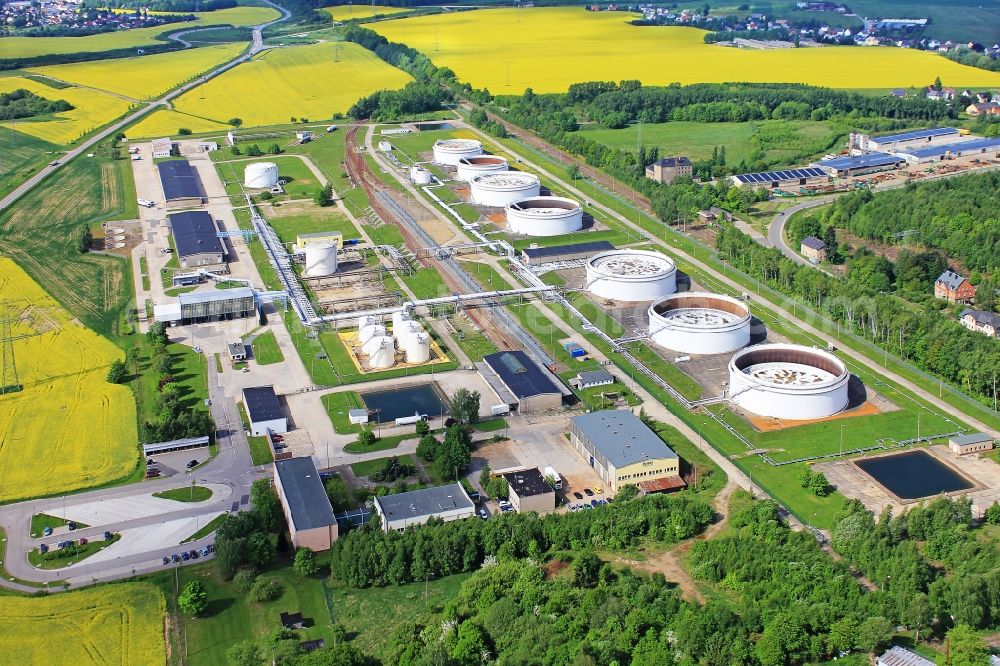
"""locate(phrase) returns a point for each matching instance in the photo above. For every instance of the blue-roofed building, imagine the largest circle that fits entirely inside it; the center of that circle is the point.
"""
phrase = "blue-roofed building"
(304, 501)
(782, 178)
(986, 148)
(196, 239)
(891, 143)
(522, 383)
(571, 252)
(181, 186)
(844, 167)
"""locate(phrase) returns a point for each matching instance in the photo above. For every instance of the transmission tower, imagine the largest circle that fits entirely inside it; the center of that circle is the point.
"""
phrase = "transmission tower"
(9, 381)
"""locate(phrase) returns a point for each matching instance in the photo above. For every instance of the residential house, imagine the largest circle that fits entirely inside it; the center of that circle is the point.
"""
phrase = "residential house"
(980, 321)
(813, 249)
(954, 288)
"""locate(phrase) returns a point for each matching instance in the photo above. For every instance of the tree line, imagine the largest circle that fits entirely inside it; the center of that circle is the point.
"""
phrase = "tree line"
(23, 103)
(176, 417)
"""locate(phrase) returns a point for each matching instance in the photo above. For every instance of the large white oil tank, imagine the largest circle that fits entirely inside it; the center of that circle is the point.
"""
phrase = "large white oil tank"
(786, 381)
(381, 352)
(470, 167)
(405, 330)
(700, 323)
(321, 259)
(367, 320)
(369, 332)
(450, 151)
(544, 216)
(631, 275)
(260, 175)
(418, 348)
(397, 320)
(420, 175)
(501, 188)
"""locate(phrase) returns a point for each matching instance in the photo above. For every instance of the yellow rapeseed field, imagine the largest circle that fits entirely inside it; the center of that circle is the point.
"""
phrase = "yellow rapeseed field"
(29, 47)
(92, 109)
(361, 11)
(69, 428)
(164, 122)
(299, 81)
(142, 77)
(113, 625)
(547, 49)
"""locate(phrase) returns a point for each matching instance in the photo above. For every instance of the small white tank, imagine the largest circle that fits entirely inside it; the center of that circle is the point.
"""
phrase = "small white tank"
(397, 321)
(406, 330)
(418, 348)
(260, 175)
(367, 320)
(321, 259)
(369, 332)
(420, 175)
(381, 352)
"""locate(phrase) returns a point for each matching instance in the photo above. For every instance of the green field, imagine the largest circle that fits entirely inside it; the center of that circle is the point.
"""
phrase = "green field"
(266, 350)
(40, 521)
(337, 406)
(769, 141)
(190, 370)
(957, 20)
(186, 494)
(290, 220)
(371, 466)
(21, 157)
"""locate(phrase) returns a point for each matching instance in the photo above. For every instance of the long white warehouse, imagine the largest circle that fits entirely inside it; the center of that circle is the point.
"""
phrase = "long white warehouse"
(700, 323)
(501, 188)
(470, 167)
(544, 216)
(450, 151)
(786, 381)
(631, 275)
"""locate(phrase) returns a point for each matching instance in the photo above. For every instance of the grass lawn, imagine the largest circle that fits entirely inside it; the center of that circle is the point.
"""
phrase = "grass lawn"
(426, 283)
(337, 406)
(260, 450)
(190, 371)
(186, 494)
(381, 444)
(290, 220)
(206, 529)
(50, 561)
(40, 521)
(367, 467)
(266, 350)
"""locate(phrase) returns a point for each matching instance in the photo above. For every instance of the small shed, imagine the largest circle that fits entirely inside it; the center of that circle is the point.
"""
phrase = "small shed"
(972, 442)
(237, 350)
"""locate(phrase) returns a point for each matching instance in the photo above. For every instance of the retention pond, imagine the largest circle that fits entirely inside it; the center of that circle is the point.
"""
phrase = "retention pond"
(913, 475)
(424, 399)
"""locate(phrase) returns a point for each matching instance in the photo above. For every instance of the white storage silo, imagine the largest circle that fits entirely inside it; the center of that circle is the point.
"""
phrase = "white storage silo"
(544, 216)
(407, 330)
(450, 151)
(631, 275)
(470, 167)
(700, 323)
(367, 320)
(381, 352)
(420, 175)
(260, 175)
(418, 348)
(321, 259)
(397, 321)
(502, 188)
(369, 332)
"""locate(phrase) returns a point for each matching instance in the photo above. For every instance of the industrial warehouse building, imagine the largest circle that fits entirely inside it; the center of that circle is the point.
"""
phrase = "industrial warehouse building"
(402, 510)
(529, 491)
(844, 167)
(785, 178)
(572, 252)
(892, 143)
(986, 148)
(623, 451)
(181, 186)
(205, 306)
(196, 239)
(307, 508)
(520, 382)
(264, 411)
(162, 148)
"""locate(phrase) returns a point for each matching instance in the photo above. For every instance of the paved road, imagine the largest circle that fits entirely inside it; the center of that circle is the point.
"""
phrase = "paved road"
(776, 232)
(256, 47)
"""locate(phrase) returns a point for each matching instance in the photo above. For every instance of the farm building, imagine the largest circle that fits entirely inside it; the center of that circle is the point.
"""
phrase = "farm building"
(304, 501)
(980, 321)
(264, 411)
(162, 147)
(973, 442)
(529, 491)
(624, 450)
(891, 143)
(402, 510)
(954, 288)
(301, 240)
(571, 252)
(986, 148)
(786, 178)
(181, 186)
(667, 169)
(196, 238)
(844, 167)
(205, 306)
(813, 249)
(520, 382)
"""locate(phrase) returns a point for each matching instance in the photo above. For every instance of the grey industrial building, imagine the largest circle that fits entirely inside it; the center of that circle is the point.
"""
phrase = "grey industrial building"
(204, 306)
(306, 506)
(987, 148)
(196, 239)
(623, 450)
(521, 383)
(181, 186)
(844, 167)
(891, 143)
(783, 178)
(571, 252)
(402, 510)
(264, 411)
(529, 491)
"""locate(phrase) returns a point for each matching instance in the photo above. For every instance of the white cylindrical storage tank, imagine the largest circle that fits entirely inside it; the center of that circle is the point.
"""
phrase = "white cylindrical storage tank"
(260, 175)
(367, 320)
(321, 259)
(418, 348)
(631, 275)
(500, 188)
(450, 151)
(407, 330)
(420, 175)
(544, 216)
(369, 332)
(398, 318)
(788, 381)
(381, 352)
(470, 167)
(700, 323)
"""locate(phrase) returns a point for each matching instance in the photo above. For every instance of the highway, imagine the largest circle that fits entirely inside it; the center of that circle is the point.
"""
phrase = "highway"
(256, 46)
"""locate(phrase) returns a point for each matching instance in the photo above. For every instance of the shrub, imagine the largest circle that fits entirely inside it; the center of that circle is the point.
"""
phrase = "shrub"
(265, 590)
(244, 580)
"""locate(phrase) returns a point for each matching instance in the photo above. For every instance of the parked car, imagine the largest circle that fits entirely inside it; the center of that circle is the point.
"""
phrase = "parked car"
(577, 495)
(71, 525)
(47, 531)
(204, 551)
(175, 557)
(42, 548)
(588, 492)
(483, 514)
(197, 349)
(192, 463)
(598, 490)
(83, 541)
(193, 554)
(185, 556)
(166, 560)
(150, 461)
(593, 502)
(211, 547)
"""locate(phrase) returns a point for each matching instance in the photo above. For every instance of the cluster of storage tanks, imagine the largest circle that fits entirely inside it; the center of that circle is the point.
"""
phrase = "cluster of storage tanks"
(379, 344)
(411, 338)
